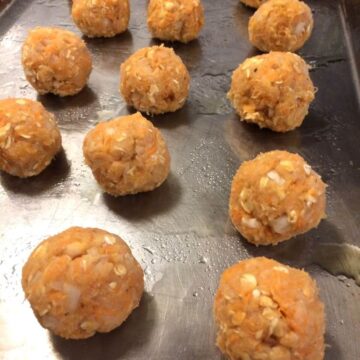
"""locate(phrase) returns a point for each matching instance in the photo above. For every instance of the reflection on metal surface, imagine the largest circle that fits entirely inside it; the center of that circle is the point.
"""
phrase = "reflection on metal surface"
(21, 335)
(340, 259)
(180, 232)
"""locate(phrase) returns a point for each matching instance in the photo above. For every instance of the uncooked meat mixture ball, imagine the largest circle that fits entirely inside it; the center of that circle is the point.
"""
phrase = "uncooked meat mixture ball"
(101, 18)
(82, 281)
(56, 61)
(281, 25)
(272, 90)
(253, 3)
(175, 20)
(127, 155)
(265, 310)
(154, 80)
(29, 137)
(276, 196)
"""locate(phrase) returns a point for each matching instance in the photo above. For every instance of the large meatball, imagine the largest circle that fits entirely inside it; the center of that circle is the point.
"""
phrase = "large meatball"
(276, 196)
(269, 311)
(175, 20)
(82, 281)
(253, 3)
(29, 137)
(105, 18)
(154, 80)
(272, 90)
(281, 25)
(56, 61)
(127, 155)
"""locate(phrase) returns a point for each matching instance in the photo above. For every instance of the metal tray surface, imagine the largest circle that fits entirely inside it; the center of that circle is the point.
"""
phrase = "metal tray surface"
(181, 232)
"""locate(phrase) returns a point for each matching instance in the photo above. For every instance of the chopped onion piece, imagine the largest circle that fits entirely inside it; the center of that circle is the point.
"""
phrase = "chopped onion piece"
(280, 225)
(274, 176)
(251, 223)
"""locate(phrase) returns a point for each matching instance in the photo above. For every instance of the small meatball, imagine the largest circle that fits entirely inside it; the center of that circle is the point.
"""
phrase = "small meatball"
(267, 310)
(272, 90)
(154, 80)
(276, 196)
(29, 137)
(127, 155)
(175, 20)
(253, 3)
(281, 25)
(56, 61)
(82, 281)
(102, 18)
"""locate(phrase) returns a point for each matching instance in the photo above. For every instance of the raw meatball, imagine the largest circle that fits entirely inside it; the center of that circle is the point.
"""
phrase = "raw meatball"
(272, 90)
(269, 311)
(175, 20)
(29, 137)
(127, 155)
(276, 196)
(82, 281)
(56, 61)
(154, 80)
(282, 25)
(253, 3)
(105, 18)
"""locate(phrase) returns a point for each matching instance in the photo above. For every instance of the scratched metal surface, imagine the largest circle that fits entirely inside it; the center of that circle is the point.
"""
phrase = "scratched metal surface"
(181, 232)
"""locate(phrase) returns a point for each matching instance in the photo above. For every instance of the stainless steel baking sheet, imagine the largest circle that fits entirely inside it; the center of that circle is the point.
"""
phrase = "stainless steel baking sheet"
(181, 232)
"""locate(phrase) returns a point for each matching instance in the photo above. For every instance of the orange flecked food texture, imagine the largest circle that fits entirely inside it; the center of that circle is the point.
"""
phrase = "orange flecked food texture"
(29, 137)
(265, 310)
(56, 61)
(253, 3)
(82, 281)
(275, 197)
(175, 20)
(127, 155)
(281, 25)
(101, 18)
(272, 90)
(154, 80)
